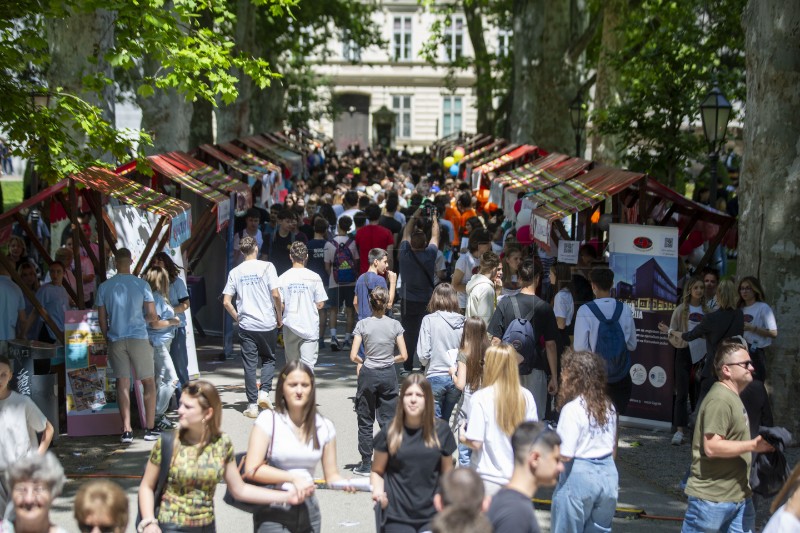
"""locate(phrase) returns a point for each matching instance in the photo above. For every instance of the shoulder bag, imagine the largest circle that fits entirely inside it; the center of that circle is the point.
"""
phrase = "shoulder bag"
(167, 452)
(241, 459)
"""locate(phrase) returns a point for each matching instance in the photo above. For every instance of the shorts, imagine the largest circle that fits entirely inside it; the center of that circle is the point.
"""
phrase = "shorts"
(342, 295)
(124, 354)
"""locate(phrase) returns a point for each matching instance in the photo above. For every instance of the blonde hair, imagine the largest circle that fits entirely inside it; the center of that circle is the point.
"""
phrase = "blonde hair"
(727, 297)
(501, 371)
(687, 300)
(158, 278)
(104, 498)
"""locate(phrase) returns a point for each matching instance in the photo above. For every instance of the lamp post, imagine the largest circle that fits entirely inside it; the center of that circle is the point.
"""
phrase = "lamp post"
(39, 101)
(715, 110)
(578, 118)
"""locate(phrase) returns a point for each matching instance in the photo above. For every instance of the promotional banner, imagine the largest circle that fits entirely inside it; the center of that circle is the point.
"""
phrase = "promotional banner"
(644, 260)
(91, 393)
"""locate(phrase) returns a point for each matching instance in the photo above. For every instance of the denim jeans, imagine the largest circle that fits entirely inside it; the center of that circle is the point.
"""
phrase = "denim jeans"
(536, 383)
(445, 395)
(731, 517)
(586, 496)
(180, 358)
(464, 455)
(166, 377)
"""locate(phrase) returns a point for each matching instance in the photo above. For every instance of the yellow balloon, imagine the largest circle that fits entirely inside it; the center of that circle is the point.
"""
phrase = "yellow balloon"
(458, 154)
(448, 162)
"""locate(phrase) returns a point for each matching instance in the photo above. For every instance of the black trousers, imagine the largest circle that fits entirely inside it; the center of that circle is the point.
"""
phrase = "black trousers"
(620, 393)
(411, 319)
(686, 389)
(376, 395)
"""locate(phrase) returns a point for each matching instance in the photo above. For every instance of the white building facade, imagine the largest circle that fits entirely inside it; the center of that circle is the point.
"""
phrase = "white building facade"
(362, 82)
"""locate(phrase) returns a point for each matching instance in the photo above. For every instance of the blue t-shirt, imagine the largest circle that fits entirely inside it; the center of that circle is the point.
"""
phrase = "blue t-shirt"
(124, 296)
(364, 285)
(11, 304)
(178, 292)
(316, 259)
(55, 300)
(165, 312)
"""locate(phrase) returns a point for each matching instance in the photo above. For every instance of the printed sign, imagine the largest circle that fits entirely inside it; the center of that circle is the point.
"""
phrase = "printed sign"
(645, 264)
(568, 251)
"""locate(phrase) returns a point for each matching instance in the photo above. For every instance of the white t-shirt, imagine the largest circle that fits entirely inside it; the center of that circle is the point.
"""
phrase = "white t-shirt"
(581, 437)
(329, 254)
(564, 305)
(697, 347)
(587, 325)
(20, 420)
(495, 460)
(288, 452)
(761, 316)
(348, 213)
(782, 522)
(252, 283)
(301, 290)
(468, 265)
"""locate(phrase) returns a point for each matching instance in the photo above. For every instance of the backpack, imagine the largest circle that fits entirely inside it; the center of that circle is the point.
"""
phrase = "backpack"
(611, 344)
(521, 336)
(344, 266)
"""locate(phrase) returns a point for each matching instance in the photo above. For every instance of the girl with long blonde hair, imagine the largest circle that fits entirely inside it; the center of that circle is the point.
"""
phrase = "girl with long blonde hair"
(495, 412)
(411, 454)
(468, 373)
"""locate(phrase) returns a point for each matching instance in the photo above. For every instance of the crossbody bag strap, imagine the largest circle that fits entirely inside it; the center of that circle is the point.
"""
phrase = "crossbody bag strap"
(422, 267)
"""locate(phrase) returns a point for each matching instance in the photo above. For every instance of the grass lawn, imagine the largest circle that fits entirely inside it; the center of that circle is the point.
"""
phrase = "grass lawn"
(12, 194)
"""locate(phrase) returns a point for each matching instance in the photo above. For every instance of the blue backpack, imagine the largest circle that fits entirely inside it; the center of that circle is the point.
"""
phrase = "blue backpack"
(521, 335)
(611, 344)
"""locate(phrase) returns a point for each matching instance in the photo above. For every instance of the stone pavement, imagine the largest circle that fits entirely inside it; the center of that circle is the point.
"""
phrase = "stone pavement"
(105, 457)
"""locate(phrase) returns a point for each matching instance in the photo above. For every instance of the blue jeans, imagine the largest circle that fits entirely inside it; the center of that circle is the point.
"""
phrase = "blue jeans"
(445, 395)
(464, 455)
(180, 359)
(732, 517)
(586, 496)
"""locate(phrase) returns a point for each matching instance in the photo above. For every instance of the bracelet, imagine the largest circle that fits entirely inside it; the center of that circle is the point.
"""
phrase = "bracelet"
(146, 522)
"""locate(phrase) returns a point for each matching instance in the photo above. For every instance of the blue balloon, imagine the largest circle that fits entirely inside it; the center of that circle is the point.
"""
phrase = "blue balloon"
(454, 169)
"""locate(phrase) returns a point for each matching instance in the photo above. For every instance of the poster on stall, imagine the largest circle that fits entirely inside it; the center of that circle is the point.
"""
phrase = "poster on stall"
(91, 393)
(644, 260)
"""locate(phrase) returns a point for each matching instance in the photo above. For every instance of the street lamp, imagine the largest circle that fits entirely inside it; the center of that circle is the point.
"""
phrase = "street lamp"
(578, 117)
(715, 110)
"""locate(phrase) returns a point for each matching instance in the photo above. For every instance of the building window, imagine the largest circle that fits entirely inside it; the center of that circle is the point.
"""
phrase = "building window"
(504, 42)
(451, 121)
(401, 43)
(401, 104)
(454, 38)
(350, 49)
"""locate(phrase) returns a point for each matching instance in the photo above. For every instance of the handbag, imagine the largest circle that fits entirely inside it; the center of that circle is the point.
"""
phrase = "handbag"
(241, 460)
(167, 451)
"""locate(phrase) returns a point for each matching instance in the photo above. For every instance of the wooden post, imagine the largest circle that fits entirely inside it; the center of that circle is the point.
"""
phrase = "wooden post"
(149, 246)
(714, 244)
(76, 250)
(100, 226)
(689, 227)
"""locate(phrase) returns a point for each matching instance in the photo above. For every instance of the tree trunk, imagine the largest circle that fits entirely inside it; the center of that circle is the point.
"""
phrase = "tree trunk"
(233, 120)
(607, 87)
(483, 68)
(166, 116)
(769, 193)
(72, 41)
(269, 110)
(201, 129)
(545, 78)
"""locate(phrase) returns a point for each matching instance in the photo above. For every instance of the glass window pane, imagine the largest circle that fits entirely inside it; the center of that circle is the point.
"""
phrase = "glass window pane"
(457, 104)
(395, 102)
(407, 102)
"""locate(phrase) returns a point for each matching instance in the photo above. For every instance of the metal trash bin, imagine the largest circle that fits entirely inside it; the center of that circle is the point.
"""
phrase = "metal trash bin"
(41, 387)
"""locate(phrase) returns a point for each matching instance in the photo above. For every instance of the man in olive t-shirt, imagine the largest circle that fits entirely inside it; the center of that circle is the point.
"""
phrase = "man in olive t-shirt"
(718, 489)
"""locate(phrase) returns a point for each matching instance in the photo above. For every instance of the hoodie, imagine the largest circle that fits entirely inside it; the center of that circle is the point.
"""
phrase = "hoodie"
(440, 331)
(481, 298)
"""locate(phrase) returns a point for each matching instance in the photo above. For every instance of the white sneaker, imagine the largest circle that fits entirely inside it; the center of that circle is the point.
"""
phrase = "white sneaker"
(251, 411)
(677, 438)
(263, 400)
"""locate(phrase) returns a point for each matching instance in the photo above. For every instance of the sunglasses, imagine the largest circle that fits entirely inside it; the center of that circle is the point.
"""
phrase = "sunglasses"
(86, 528)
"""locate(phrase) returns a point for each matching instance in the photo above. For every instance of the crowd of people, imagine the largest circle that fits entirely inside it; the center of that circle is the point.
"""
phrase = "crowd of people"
(464, 338)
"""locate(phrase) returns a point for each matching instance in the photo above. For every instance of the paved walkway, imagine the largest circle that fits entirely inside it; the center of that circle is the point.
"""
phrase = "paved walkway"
(98, 456)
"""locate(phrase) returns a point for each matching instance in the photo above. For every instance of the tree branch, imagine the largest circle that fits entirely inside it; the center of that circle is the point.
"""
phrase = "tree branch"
(579, 46)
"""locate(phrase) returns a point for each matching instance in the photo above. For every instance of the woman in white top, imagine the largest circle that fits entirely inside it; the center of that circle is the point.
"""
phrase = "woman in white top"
(563, 302)
(495, 412)
(686, 317)
(512, 258)
(300, 439)
(759, 323)
(586, 494)
(786, 507)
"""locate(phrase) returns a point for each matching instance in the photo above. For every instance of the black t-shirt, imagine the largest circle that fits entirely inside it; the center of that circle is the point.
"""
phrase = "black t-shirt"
(412, 474)
(316, 259)
(512, 512)
(277, 249)
(545, 326)
(392, 224)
